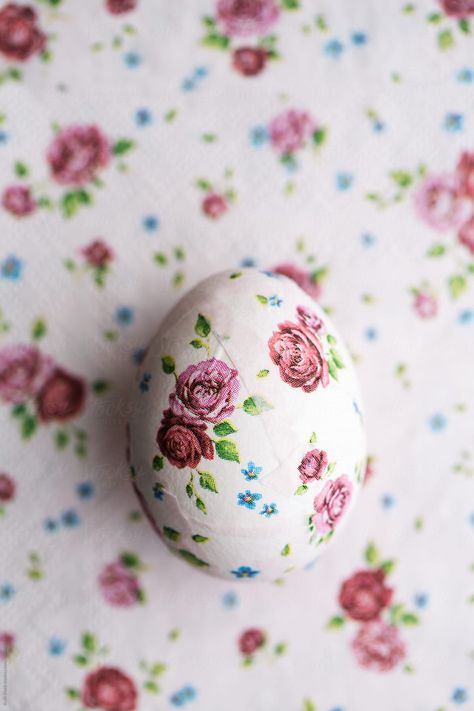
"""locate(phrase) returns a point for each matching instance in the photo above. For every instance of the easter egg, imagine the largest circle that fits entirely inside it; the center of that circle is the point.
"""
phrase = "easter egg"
(246, 435)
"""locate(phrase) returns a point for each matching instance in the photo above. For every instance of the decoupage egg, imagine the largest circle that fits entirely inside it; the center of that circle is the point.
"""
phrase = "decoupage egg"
(246, 438)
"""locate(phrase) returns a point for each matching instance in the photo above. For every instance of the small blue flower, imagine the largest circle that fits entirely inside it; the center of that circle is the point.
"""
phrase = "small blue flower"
(437, 422)
(275, 300)
(421, 600)
(145, 382)
(158, 491)
(143, 117)
(388, 501)
(11, 268)
(151, 223)
(7, 591)
(70, 518)
(334, 48)
(247, 262)
(465, 75)
(132, 59)
(258, 136)
(245, 572)
(371, 333)
(51, 525)
(124, 315)
(252, 472)
(344, 181)
(201, 72)
(453, 122)
(466, 316)
(367, 239)
(269, 510)
(229, 599)
(359, 38)
(85, 489)
(459, 695)
(3, 137)
(248, 499)
(56, 646)
(138, 355)
(187, 85)
(181, 697)
(378, 126)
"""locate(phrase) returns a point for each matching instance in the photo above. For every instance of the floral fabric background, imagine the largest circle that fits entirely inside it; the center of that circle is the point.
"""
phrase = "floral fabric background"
(143, 146)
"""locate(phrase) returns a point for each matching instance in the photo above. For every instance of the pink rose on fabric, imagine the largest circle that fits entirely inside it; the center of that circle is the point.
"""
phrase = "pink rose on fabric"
(458, 8)
(206, 391)
(377, 646)
(439, 204)
(331, 503)
(249, 61)
(77, 153)
(251, 640)
(242, 18)
(23, 372)
(290, 130)
(183, 442)
(466, 234)
(214, 206)
(120, 587)
(465, 173)
(302, 278)
(109, 689)
(298, 353)
(98, 253)
(364, 595)
(309, 319)
(20, 37)
(7, 644)
(119, 7)
(313, 465)
(61, 397)
(425, 305)
(17, 200)
(7, 487)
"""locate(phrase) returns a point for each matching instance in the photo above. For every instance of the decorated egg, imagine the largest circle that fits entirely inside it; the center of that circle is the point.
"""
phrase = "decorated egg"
(246, 438)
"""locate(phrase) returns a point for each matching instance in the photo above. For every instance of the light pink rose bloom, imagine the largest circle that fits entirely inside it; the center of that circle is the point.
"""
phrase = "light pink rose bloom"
(243, 18)
(109, 689)
(465, 172)
(77, 153)
(214, 205)
(425, 305)
(458, 8)
(377, 646)
(298, 353)
(119, 585)
(313, 465)
(23, 372)
(439, 204)
(206, 391)
(466, 234)
(331, 503)
(300, 277)
(7, 644)
(17, 200)
(290, 130)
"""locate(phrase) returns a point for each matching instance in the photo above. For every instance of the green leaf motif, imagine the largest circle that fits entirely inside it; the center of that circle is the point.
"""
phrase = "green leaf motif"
(319, 136)
(157, 463)
(28, 426)
(371, 554)
(151, 686)
(261, 298)
(189, 489)
(208, 482)
(445, 39)
(224, 428)
(130, 560)
(89, 642)
(201, 505)
(235, 275)
(286, 550)
(216, 41)
(457, 284)
(199, 539)
(336, 358)
(191, 558)
(332, 369)
(226, 449)
(301, 490)
(171, 533)
(202, 326)
(122, 146)
(255, 405)
(263, 373)
(330, 468)
(388, 566)
(336, 622)
(313, 438)
(437, 250)
(410, 619)
(61, 439)
(168, 364)
(196, 343)
(81, 660)
(21, 169)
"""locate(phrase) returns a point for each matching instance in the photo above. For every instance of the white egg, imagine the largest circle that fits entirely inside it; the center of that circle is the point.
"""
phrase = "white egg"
(247, 444)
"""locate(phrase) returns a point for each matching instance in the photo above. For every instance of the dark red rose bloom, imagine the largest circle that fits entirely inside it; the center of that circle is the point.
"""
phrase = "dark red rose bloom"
(7, 487)
(119, 7)
(98, 253)
(458, 8)
(77, 153)
(109, 689)
(17, 200)
(249, 61)
(465, 174)
(20, 37)
(304, 279)
(313, 465)
(183, 442)
(364, 595)
(7, 644)
(61, 397)
(466, 234)
(214, 205)
(298, 353)
(251, 640)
